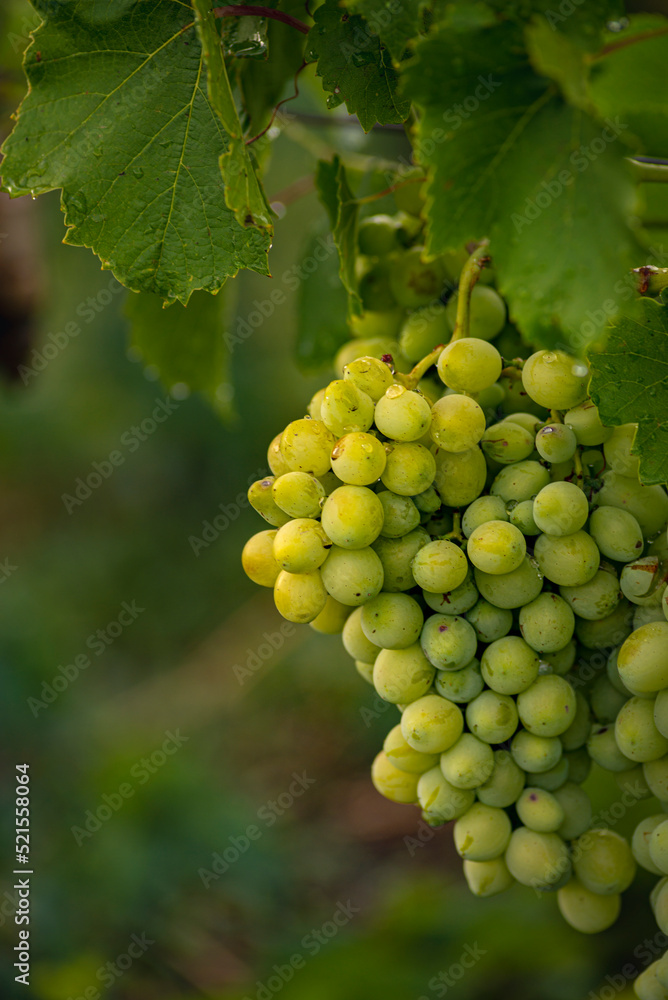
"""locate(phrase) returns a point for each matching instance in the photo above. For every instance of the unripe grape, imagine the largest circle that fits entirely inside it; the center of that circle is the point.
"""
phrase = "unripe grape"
(578, 732)
(373, 325)
(396, 556)
(457, 423)
(371, 375)
(454, 602)
(595, 599)
(585, 422)
(505, 784)
(432, 724)
(428, 502)
(393, 784)
(355, 641)
(655, 773)
(332, 618)
(556, 443)
(365, 670)
(641, 840)
(352, 577)
(487, 313)
(587, 911)
(461, 685)
(346, 408)
(636, 733)
(658, 846)
(392, 621)
(275, 460)
(521, 515)
(377, 235)
(459, 476)
(448, 641)
(400, 514)
(482, 833)
(555, 380)
(468, 763)
(617, 533)
(258, 559)
(358, 459)
(568, 560)
(579, 764)
(577, 808)
(539, 810)
(507, 442)
(511, 590)
(560, 509)
(648, 504)
(487, 878)
(547, 623)
(301, 546)
(488, 508)
(601, 633)
(492, 717)
(538, 860)
(404, 756)
(490, 623)
(261, 499)
(562, 661)
(298, 494)
(603, 862)
(401, 676)
(535, 753)
(352, 517)
(440, 800)
(509, 665)
(603, 749)
(372, 347)
(440, 566)
(299, 597)
(306, 446)
(496, 547)
(402, 414)
(415, 282)
(638, 580)
(469, 365)
(643, 659)
(423, 330)
(647, 985)
(520, 481)
(553, 778)
(374, 284)
(410, 468)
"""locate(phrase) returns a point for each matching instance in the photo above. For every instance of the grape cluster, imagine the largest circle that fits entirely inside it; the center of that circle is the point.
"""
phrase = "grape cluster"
(499, 575)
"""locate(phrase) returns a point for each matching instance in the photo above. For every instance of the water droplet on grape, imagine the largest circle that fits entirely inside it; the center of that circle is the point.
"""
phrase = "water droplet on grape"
(395, 391)
(579, 370)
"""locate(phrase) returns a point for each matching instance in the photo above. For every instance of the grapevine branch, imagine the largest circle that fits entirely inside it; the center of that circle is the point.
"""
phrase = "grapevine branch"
(241, 10)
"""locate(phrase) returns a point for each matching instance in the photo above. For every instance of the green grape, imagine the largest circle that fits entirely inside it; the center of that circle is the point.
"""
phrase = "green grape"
(593, 461)
(448, 641)
(468, 763)
(459, 476)
(556, 443)
(487, 878)
(643, 659)
(511, 590)
(603, 749)
(396, 556)
(404, 757)
(617, 451)
(258, 559)
(401, 676)
(521, 515)
(579, 764)
(410, 468)
(612, 671)
(647, 985)
(603, 862)
(374, 283)
(562, 661)
(329, 482)
(483, 509)
(520, 481)
(415, 282)
(648, 504)
(585, 422)
(299, 597)
(358, 459)
(539, 810)
(505, 784)
(605, 632)
(431, 724)
(655, 773)
(529, 421)
(306, 446)
(482, 833)
(345, 408)
(440, 566)
(547, 707)
(298, 494)
(560, 509)
(393, 784)
(553, 778)
(275, 460)
(658, 846)
(606, 700)
(315, 403)
(638, 580)
(496, 547)
(641, 840)
(469, 365)
(461, 685)
(570, 560)
(547, 623)
(636, 733)
(595, 599)
(538, 860)
(490, 399)
(423, 330)
(400, 514)
(516, 398)
(487, 316)
(392, 621)
(355, 641)
(371, 375)
(428, 502)
(492, 717)
(454, 602)
(507, 442)
(489, 622)
(332, 618)
(402, 414)
(440, 800)
(372, 325)
(659, 902)
(261, 499)
(301, 546)
(457, 423)
(377, 235)
(408, 195)
(378, 347)
(352, 517)
(535, 753)
(509, 665)
(365, 670)
(352, 577)
(577, 809)
(555, 380)
(587, 911)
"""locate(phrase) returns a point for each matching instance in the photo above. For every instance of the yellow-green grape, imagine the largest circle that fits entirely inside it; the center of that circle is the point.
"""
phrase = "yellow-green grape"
(643, 659)
(352, 517)
(404, 757)
(587, 911)
(577, 809)
(423, 330)
(440, 566)
(448, 641)
(516, 398)
(658, 846)
(352, 576)
(490, 399)
(275, 460)
(454, 602)
(539, 810)
(358, 459)
(332, 618)
(489, 622)
(299, 597)
(461, 685)
(648, 504)
(298, 494)
(355, 641)
(401, 676)
(636, 733)
(547, 707)
(306, 446)
(487, 315)
(402, 414)
(440, 800)
(468, 763)
(428, 502)
(555, 380)
(301, 545)
(469, 365)
(369, 347)
(647, 985)
(603, 750)
(487, 878)
(496, 547)
(459, 476)
(258, 559)
(378, 324)
(562, 661)
(521, 515)
(400, 514)
(553, 778)
(345, 408)
(410, 468)
(560, 509)
(313, 408)
(601, 634)
(641, 840)
(603, 862)
(617, 451)
(415, 282)
(585, 422)
(655, 773)
(578, 732)
(556, 443)
(507, 442)
(483, 509)
(482, 833)
(329, 482)
(457, 423)
(377, 235)
(505, 784)
(393, 784)
(579, 764)
(529, 421)
(520, 481)
(365, 670)
(538, 860)
(371, 375)
(570, 560)
(261, 499)
(511, 590)
(431, 724)
(492, 717)
(595, 599)
(638, 580)
(396, 556)
(509, 665)
(392, 621)
(535, 753)
(547, 623)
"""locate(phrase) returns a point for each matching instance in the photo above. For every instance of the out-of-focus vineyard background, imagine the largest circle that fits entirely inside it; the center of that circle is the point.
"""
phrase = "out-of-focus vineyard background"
(333, 892)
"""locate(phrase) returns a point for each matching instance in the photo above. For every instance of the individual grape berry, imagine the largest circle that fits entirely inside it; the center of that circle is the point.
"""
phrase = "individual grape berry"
(457, 423)
(648, 504)
(275, 460)
(547, 623)
(560, 509)
(440, 566)
(459, 477)
(352, 517)
(469, 365)
(496, 547)
(468, 763)
(578, 732)
(298, 494)
(372, 325)
(370, 375)
(393, 784)
(490, 623)
(555, 380)
(603, 862)
(306, 446)
(507, 442)
(538, 860)
(315, 404)
(616, 533)
(562, 661)
(568, 560)
(487, 313)
(535, 754)
(579, 764)
(553, 778)
(636, 733)
(448, 641)
(595, 599)
(432, 724)
(301, 546)
(346, 408)
(655, 773)
(423, 330)
(258, 559)
(639, 578)
(401, 676)
(332, 618)
(413, 281)
(599, 634)
(369, 347)
(556, 443)
(440, 800)
(410, 468)
(461, 685)
(482, 833)
(585, 422)
(428, 502)
(299, 597)
(520, 481)
(358, 459)
(401, 514)
(392, 621)
(642, 660)
(504, 786)
(483, 509)
(404, 757)
(453, 602)
(402, 414)
(658, 847)
(511, 590)
(355, 641)
(641, 840)
(547, 707)
(396, 556)
(261, 499)
(509, 665)
(378, 235)
(586, 911)
(492, 717)
(577, 809)
(487, 878)
(365, 670)
(539, 810)
(603, 750)
(352, 576)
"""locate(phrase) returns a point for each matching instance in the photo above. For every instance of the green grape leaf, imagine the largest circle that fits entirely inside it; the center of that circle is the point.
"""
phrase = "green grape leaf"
(556, 55)
(583, 22)
(322, 306)
(396, 22)
(629, 384)
(548, 184)
(343, 210)
(355, 67)
(184, 344)
(117, 116)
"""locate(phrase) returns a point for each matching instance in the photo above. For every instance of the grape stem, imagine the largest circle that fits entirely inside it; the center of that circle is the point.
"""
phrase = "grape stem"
(470, 274)
(420, 369)
(577, 463)
(555, 417)
(456, 533)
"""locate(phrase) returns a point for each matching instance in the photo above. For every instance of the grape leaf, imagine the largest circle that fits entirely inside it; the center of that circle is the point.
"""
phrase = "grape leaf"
(354, 67)
(321, 308)
(629, 384)
(396, 22)
(547, 183)
(118, 117)
(583, 22)
(558, 56)
(184, 344)
(343, 210)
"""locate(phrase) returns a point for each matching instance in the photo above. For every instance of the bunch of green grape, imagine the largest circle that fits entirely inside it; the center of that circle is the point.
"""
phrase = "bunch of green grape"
(498, 573)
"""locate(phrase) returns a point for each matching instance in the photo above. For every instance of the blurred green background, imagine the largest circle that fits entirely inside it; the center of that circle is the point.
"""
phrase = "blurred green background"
(207, 876)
